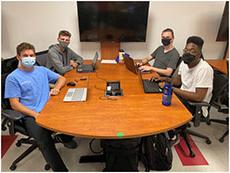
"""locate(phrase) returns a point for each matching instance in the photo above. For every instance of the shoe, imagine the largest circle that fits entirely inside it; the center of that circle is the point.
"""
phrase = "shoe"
(58, 139)
(71, 145)
(174, 141)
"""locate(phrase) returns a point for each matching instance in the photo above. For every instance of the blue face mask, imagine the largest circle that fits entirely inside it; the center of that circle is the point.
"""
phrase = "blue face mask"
(28, 61)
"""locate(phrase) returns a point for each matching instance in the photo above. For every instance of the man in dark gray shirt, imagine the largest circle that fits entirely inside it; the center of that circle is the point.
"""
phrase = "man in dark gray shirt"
(61, 58)
(166, 56)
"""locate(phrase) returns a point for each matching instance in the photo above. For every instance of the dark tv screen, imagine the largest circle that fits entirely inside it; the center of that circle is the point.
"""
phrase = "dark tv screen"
(113, 21)
(223, 33)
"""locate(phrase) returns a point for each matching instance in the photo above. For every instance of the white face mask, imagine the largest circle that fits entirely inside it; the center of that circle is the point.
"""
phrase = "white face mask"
(28, 61)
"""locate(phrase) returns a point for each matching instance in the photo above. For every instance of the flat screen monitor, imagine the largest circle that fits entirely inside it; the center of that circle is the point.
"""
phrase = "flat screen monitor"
(113, 21)
(223, 33)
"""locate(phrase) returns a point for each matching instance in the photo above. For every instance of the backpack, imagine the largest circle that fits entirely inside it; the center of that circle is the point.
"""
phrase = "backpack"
(121, 154)
(158, 153)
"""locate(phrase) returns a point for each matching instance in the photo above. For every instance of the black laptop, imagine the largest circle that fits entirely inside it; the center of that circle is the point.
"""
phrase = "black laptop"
(149, 86)
(83, 68)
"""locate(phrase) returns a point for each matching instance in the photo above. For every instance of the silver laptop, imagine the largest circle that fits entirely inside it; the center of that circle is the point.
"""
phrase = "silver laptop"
(75, 95)
(83, 68)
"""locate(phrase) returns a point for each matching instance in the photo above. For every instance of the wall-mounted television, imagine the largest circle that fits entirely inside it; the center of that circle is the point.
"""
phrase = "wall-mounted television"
(223, 33)
(120, 21)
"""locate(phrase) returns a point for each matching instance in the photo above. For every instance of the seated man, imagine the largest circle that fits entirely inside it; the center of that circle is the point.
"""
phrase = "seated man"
(166, 56)
(61, 58)
(27, 88)
(195, 76)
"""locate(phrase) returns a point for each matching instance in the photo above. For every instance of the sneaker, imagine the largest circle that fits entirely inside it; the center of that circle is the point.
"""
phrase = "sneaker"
(174, 141)
(58, 139)
(72, 144)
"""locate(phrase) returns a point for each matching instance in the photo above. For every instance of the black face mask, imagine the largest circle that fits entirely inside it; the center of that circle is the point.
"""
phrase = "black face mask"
(165, 41)
(188, 58)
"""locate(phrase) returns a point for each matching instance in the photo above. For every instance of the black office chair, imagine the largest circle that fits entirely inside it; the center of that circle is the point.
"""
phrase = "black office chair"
(13, 120)
(8, 65)
(221, 103)
(219, 85)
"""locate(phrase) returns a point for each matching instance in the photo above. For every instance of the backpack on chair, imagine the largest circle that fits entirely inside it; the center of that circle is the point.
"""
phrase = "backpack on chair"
(158, 153)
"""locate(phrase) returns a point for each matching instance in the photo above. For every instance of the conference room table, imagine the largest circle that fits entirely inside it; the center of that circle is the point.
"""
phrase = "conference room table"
(135, 114)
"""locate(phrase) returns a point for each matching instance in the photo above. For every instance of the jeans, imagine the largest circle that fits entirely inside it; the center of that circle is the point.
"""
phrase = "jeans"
(45, 144)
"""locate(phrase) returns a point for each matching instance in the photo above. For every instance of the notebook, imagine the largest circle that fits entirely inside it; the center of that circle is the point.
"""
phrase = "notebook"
(75, 94)
(129, 63)
(149, 86)
(88, 67)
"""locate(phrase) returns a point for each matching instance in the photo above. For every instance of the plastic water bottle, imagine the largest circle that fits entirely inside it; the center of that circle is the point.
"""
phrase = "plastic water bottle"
(121, 52)
(167, 94)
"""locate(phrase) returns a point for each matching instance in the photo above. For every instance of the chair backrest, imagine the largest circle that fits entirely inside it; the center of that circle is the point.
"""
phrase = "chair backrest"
(5, 104)
(42, 58)
(175, 71)
(8, 65)
(220, 89)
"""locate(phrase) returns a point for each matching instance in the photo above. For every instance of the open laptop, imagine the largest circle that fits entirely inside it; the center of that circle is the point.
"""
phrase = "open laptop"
(88, 67)
(130, 65)
(149, 86)
(75, 94)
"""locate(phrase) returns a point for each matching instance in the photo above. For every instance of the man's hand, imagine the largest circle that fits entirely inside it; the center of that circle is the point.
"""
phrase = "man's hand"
(143, 62)
(73, 63)
(161, 84)
(54, 92)
(146, 68)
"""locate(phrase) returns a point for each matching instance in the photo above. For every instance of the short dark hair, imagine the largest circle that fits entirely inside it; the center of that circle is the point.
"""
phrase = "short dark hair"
(64, 33)
(24, 46)
(169, 30)
(196, 40)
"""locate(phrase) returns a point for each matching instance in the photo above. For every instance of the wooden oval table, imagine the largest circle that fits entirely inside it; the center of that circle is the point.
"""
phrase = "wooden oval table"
(135, 114)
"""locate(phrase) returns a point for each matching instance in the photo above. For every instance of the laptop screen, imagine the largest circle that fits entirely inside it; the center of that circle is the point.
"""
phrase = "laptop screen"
(130, 65)
(95, 59)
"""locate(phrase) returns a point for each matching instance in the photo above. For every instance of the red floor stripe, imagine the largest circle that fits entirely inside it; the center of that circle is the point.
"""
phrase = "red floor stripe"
(6, 143)
(183, 153)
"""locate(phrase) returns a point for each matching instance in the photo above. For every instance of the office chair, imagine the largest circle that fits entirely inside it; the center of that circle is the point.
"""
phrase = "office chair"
(219, 85)
(221, 103)
(42, 58)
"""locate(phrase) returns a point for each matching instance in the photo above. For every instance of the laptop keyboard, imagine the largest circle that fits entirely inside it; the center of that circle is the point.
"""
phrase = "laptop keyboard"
(151, 87)
(85, 68)
(75, 94)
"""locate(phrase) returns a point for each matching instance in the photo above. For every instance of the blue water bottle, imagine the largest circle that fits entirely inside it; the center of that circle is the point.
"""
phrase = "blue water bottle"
(167, 94)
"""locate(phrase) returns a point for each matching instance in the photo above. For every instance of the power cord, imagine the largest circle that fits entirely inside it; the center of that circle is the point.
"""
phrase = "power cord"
(107, 98)
(100, 77)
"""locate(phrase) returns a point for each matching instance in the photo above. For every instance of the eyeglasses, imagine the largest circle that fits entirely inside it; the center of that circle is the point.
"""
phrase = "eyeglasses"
(191, 51)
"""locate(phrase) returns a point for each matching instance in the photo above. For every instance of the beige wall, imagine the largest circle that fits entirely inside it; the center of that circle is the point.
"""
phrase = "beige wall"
(39, 23)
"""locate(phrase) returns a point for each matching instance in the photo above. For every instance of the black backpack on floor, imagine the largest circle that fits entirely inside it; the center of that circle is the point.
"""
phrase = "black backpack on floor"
(121, 155)
(158, 153)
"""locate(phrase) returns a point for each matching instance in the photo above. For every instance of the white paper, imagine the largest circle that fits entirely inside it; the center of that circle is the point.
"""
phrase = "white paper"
(108, 61)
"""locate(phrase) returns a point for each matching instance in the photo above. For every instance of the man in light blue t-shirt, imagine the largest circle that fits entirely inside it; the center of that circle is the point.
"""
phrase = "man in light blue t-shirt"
(28, 91)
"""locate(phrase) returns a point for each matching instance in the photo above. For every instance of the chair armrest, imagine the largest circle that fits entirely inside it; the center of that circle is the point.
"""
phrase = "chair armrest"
(12, 115)
(199, 103)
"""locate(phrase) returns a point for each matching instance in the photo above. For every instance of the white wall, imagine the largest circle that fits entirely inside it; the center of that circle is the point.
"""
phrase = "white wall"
(40, 22)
